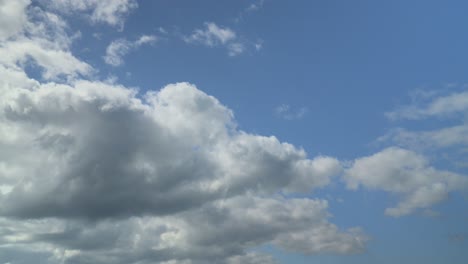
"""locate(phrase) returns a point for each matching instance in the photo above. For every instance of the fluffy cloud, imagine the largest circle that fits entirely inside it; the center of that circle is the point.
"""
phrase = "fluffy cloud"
(407, 174)
(112, 12)
(96, 173)
(213, 35)
(121, 47)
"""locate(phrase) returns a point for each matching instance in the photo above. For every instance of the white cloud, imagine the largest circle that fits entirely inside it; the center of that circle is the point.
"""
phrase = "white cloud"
(112, 12)
(447, 140)
(117, 49)
(442, 106)
(213, 35)
(154, 175)
(12, 17)
(405, 173)
(42, 40)
(94, 172)
(439, 138)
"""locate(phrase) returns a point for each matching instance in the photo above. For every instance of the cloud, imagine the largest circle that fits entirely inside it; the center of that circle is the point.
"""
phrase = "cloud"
(117, 49)
(446, 113)
(442, 106)
(12, 17)
(93, 172)
(284, 111)
(112, 12)
(407, 174)
(41, 40)
(213, 35)
(444, 137)
(255, 6)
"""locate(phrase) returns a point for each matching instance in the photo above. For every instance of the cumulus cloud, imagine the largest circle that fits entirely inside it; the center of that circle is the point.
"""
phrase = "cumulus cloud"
(112, 12)
(94, 173)
(407, 174)
(213, 35)
(117, 49)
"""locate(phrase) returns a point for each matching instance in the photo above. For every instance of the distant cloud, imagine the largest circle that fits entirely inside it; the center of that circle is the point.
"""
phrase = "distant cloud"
(407, 174)
(213, 35)
(117, 49)
(255, 6)
(442, 106)
(437, 107)
(286, 112)
(252, 7)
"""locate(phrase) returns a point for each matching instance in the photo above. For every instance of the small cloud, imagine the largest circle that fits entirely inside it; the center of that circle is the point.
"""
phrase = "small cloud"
(255, 6)
(213, 36)
(286, 112)
(117, 49)
(162, 30)
(235, 49)
(258, 45)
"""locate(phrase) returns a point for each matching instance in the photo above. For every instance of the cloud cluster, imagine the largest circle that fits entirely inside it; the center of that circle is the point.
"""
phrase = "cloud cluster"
(95, 172)
(405, 169)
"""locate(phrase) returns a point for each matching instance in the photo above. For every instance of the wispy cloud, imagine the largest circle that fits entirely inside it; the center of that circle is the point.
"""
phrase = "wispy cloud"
(117, 49)
(213, 35)
(287, 112)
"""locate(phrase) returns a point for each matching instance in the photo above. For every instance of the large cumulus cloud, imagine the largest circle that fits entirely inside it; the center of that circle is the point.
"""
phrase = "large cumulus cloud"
(94, 172)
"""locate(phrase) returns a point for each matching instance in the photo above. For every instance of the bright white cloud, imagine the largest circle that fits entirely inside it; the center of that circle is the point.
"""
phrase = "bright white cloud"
(12, 17)
(112, 12)
(117, 49)
(405, 173)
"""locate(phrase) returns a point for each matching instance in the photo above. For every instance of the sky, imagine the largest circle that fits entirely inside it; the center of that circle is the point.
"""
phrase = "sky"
(233, 132)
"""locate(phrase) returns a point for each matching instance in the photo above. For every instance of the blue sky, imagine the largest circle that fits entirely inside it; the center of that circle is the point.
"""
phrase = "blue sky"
(258, 131)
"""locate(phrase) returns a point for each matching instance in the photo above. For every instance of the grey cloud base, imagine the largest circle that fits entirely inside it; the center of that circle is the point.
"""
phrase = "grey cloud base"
(93, 173)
